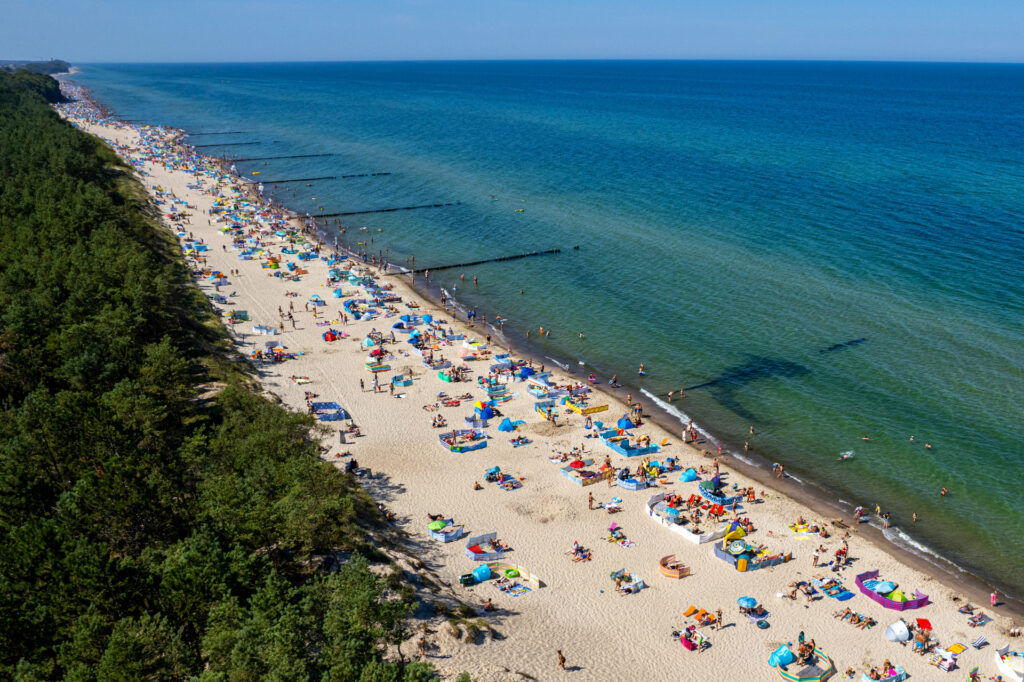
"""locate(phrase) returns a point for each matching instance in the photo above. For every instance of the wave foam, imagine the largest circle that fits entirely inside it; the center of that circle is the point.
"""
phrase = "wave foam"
(898, 537)
(685, 419)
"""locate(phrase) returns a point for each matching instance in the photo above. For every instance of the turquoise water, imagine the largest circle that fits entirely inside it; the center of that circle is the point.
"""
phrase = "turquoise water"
(734, 219)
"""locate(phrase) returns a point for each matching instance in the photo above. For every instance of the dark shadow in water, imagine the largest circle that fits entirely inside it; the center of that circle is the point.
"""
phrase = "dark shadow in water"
(846, 344)
(723, 387)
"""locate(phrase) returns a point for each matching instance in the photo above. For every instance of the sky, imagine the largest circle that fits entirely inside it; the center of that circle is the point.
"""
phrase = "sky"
(339, 30)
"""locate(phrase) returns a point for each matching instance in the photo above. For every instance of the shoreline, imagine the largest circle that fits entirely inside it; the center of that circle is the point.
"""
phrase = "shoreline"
(813, 494)
(797, 495)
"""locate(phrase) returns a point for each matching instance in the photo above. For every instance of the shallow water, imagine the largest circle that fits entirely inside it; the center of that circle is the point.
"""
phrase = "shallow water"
(740, 224)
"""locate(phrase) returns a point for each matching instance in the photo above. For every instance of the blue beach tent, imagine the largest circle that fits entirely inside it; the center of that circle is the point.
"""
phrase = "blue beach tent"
(781, 656)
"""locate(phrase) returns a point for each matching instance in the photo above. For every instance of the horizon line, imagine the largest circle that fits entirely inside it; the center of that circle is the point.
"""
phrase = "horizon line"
(795, 60)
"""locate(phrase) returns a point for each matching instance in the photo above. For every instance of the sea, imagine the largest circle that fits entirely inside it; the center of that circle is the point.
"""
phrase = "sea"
(831, 253)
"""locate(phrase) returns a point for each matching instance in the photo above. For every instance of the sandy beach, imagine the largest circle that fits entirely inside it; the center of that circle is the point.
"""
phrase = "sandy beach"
(604, 635)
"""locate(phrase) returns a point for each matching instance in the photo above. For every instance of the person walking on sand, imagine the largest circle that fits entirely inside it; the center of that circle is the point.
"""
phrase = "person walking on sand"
(590, 501)
(993, 598)
(718, 619)
(561, 660)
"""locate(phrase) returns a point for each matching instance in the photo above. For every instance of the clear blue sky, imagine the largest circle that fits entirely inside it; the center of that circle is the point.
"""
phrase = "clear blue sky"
(300, 30)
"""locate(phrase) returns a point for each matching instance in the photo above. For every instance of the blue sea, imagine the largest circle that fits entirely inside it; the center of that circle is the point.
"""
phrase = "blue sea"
(826, 251)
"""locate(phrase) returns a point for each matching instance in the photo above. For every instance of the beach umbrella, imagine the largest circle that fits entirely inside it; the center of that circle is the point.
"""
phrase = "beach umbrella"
(437, 525)
(688, 476)
(883, 587)
(746, 602)
(428, 318)
(577, 464)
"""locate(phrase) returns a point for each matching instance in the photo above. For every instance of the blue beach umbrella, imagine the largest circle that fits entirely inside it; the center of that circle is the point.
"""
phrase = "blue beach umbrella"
(746, 602)
(428, 318)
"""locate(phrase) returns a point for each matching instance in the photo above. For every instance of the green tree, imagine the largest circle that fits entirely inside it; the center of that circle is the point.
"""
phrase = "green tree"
(145, 648)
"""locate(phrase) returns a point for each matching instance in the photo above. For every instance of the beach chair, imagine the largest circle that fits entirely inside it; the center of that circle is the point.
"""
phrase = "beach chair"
(690, 611)
(980, 642)
(700, 614)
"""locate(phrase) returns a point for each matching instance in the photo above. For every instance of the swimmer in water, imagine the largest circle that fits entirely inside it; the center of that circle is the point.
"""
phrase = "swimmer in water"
(845, 455)
(641, 371)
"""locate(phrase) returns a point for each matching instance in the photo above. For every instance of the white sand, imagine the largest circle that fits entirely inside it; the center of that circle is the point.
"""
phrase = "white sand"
(604, 636)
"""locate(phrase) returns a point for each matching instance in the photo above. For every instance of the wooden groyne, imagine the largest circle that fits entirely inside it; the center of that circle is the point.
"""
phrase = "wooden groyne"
(386, 210)
(227, 144)
(488, 260)
(364, 175)
(272, 158)
(322, 177)
(280, 182)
